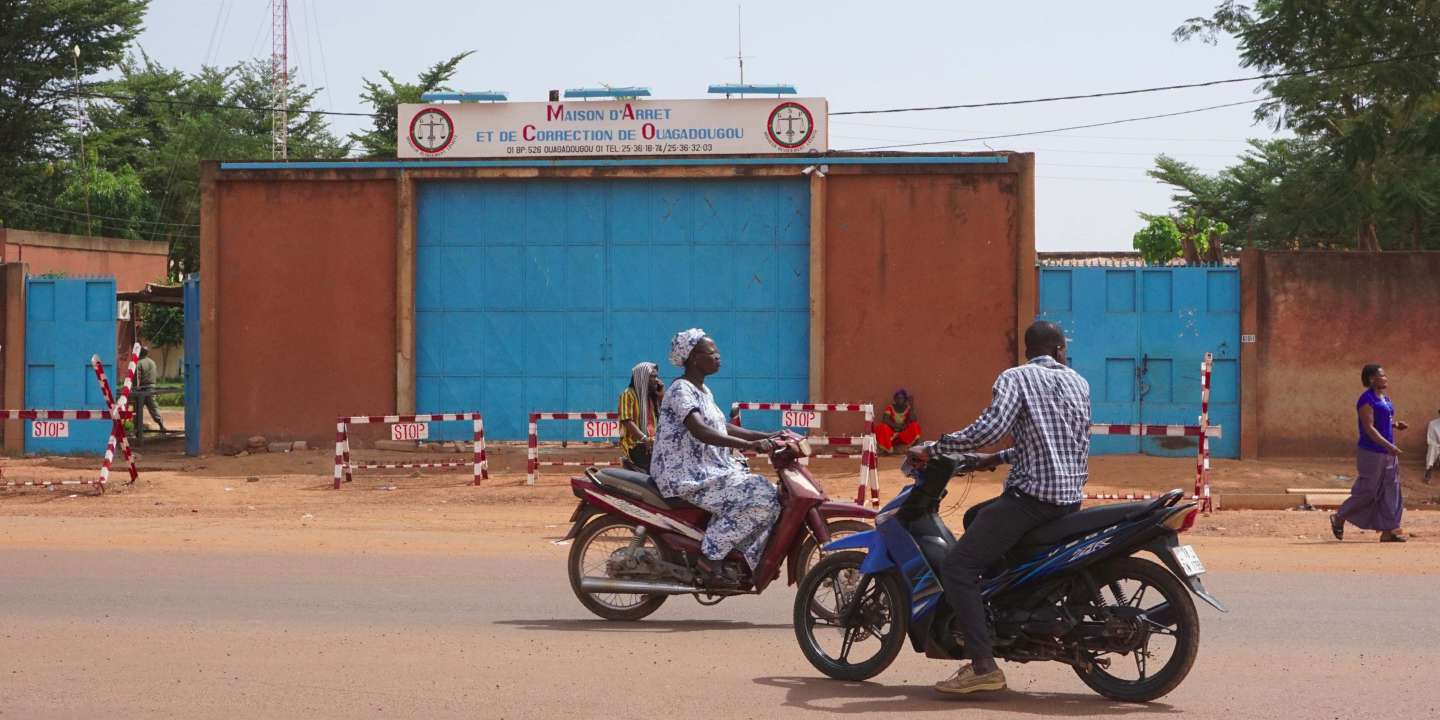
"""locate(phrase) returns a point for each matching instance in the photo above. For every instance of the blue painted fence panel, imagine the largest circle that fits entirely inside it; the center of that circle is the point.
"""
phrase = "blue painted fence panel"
(542, 294)
(67, 321)
(1138, 335)
(192, 364)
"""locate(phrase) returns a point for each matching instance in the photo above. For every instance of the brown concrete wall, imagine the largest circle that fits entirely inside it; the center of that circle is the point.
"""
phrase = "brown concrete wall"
(1319, 318)
(132, 262)
(928, 278)
(303, 322)
(12, 355)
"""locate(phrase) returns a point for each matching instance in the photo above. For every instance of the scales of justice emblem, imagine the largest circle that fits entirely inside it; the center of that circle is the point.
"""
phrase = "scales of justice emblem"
(431, 131)
(790, 125)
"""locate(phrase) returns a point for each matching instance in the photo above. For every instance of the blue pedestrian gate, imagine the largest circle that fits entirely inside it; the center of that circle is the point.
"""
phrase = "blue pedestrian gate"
(67, 321)
(539, 295)
(192, 364)
(1139, 335)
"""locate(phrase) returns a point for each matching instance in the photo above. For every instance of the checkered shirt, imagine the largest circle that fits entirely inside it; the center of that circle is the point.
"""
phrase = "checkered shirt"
(1045, 406)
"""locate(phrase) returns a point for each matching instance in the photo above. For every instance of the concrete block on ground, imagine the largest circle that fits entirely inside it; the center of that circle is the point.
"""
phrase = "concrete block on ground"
(279, 447)
(1326, 500)
(1257, 501)
(299, 445)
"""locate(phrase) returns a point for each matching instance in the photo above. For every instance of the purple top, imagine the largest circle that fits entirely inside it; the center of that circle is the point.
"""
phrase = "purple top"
(1384, 421)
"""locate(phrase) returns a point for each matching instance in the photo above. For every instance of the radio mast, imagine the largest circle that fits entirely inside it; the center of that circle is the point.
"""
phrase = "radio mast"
(279, 78)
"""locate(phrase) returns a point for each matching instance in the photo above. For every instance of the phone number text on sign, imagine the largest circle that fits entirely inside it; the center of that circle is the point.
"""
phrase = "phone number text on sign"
(49, 429)
(602, 428)
(800, 418)
(410, 431)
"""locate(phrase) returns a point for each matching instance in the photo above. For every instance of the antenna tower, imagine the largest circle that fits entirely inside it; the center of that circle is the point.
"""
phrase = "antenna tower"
(279, 78)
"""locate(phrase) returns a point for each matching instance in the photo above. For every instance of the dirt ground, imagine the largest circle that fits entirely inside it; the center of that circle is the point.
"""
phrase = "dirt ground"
(254, 500)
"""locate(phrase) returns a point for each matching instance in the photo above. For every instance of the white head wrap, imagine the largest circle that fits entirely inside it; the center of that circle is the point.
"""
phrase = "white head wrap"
(683, 344)
(640, 376)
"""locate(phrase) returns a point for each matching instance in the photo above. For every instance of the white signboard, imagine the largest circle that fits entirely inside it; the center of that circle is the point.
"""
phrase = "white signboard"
(602, 428)
(800, 418)
(49, 429)
(614, 128)
(410, 431)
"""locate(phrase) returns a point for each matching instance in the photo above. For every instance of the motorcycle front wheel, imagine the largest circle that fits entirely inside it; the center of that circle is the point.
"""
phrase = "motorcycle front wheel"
(865, 645)
(591, 550)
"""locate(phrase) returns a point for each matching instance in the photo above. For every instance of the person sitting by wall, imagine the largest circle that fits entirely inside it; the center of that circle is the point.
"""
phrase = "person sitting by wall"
(639, 403)
(899, 423)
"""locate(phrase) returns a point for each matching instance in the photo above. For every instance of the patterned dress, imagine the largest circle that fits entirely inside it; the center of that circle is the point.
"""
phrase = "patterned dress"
(742, 506)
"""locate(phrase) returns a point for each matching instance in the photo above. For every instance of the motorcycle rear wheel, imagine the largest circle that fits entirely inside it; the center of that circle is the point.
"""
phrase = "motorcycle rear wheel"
(1136, 578)
(881, 624)
(603, 536)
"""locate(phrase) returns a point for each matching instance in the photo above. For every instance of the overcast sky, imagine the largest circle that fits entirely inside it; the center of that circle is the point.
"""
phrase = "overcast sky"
(859, 55)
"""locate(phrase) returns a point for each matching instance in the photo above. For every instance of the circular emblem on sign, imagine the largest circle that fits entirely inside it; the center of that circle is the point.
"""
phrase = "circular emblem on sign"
(431, 131)
(790, 125)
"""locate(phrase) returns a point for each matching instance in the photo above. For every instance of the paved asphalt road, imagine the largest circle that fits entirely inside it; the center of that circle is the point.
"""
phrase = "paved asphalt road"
(122, 634)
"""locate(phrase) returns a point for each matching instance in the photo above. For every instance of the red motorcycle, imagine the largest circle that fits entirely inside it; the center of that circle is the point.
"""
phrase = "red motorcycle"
(633, 548)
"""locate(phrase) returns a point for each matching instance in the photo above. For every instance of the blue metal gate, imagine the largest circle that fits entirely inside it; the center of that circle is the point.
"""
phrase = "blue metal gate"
(1139, 336)
(541, 294)
(192, 364)
(66, 322)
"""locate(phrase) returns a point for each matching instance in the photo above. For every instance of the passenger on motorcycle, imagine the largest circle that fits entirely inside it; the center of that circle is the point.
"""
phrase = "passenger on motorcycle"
(1045, 407)
(693, 461)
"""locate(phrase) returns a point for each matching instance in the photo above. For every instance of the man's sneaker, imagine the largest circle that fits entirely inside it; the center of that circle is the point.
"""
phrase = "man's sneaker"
(965, 681)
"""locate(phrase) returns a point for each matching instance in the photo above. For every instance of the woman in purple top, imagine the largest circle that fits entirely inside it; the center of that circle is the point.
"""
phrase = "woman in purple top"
(1375, 502)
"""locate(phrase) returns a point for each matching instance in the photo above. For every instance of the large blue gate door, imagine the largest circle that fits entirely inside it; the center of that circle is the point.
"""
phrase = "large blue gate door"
(540, 295)
(66, 322)
(1139, 336)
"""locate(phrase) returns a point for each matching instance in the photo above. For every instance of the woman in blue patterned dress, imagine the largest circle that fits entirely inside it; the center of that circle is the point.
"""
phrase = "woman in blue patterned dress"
(693, 461)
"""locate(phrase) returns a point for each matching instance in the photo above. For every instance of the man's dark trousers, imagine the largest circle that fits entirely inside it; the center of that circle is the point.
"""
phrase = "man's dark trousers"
(996, 527)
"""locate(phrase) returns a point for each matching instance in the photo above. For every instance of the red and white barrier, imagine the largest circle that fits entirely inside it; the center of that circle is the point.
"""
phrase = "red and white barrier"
(1203, 432)
(409, 427)
(801, 415)
(119, 428)
(117, 411)
(597, 425)
(56, 423)
(1202, 459)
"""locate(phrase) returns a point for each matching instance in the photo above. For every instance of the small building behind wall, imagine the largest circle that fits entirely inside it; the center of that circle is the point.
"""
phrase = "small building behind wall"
(132, 263)
(511, 286)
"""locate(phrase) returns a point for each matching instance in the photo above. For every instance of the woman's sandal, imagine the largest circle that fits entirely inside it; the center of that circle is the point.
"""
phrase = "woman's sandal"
(1337, 526)
(1389, 536)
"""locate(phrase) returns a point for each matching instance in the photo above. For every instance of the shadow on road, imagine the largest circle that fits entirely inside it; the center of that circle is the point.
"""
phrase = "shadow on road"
(644, 626)
(845, 698)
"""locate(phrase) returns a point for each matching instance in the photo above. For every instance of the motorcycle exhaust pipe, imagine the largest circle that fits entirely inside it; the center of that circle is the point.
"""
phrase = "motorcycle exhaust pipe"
(638, 587)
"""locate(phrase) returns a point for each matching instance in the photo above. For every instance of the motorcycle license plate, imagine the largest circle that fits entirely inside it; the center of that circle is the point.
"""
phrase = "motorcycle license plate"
(1189, 561)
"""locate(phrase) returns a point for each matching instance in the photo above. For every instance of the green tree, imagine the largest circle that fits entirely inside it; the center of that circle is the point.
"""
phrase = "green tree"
(1159, 241)
(38, 68)
(164, 123)
(1364, 104)
(164, 327)
(385, 98)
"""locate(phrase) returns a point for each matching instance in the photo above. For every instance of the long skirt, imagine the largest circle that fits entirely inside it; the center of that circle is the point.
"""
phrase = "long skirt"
(742, 508)
(1375, 500)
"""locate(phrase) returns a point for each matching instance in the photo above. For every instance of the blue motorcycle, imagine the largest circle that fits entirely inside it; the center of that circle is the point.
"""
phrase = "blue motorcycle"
(1073, 591)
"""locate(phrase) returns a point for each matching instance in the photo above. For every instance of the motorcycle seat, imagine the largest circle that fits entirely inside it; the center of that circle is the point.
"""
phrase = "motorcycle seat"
(1084, 521)
(641, 487)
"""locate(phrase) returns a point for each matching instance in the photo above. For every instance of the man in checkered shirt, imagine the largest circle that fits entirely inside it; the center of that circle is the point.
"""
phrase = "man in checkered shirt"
(1045, 407)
